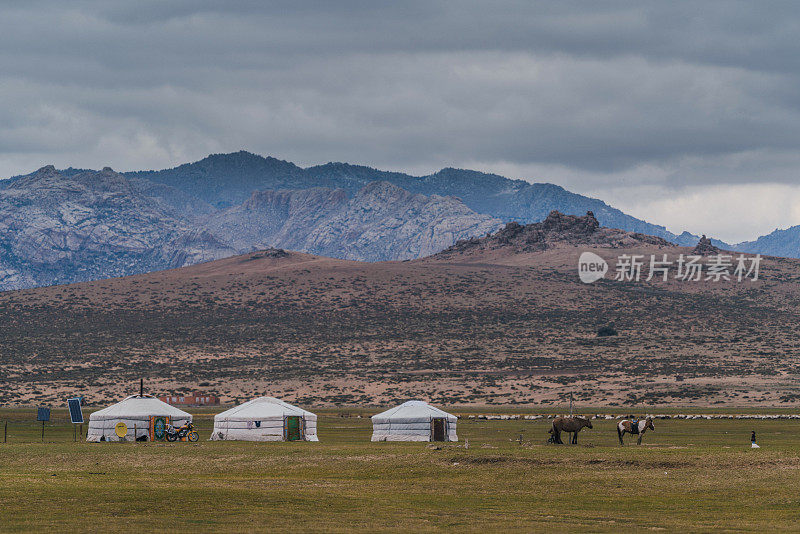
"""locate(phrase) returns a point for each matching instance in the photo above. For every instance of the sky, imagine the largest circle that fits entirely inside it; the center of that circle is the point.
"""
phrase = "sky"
(685, 114)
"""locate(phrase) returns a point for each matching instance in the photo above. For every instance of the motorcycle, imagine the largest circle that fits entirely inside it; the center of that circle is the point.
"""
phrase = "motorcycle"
(184, 431)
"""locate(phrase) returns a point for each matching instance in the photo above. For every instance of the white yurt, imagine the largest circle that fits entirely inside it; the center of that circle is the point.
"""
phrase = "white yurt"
(135, 411)
(265, 419)
(414, 421)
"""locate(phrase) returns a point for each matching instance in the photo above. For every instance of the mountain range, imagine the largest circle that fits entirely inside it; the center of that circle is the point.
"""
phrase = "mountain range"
(62, 226)
(76, 226)
(224, 180)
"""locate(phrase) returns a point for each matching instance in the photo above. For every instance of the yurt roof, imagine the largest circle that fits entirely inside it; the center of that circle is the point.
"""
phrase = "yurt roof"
(412, 410)
(262, 407)
(139, 406)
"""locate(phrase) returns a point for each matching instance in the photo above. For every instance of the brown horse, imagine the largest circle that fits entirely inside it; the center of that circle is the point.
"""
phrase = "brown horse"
(568, 424)
(631, 427)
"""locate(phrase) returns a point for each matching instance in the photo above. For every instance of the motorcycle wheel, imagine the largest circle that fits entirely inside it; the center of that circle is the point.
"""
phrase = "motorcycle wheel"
(193, 436)
(172, 437)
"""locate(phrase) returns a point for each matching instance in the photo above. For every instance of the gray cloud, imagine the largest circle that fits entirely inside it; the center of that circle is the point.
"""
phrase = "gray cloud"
(657, 96)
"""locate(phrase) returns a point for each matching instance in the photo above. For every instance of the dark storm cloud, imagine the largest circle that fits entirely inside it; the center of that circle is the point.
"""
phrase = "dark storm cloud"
(597, 89)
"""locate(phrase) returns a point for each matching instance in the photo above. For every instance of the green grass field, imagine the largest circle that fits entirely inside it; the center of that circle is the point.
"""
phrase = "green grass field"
(687, 476)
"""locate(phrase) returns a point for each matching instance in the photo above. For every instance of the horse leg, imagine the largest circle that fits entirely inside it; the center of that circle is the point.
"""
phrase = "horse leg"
(575, 438)
(639, 441)
(558, 437)
(619, 434)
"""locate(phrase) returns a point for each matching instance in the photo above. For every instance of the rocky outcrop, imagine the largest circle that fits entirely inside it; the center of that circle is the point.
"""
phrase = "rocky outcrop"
(704, 247)
(556, 229)
(271, 253)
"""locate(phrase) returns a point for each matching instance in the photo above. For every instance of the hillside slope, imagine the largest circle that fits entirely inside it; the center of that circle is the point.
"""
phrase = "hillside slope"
(493, 323)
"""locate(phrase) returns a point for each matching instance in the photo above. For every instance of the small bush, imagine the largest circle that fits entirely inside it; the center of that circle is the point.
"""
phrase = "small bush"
(607, 330)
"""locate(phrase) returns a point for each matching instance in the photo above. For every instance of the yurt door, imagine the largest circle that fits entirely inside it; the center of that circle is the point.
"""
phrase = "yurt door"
(439, 425)
(293, 428)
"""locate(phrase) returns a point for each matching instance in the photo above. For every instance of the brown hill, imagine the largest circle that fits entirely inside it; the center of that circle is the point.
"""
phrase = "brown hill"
(500, 320)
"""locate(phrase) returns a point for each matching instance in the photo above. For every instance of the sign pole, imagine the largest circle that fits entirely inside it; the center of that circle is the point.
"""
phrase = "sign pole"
(42, 414)
(5, 432)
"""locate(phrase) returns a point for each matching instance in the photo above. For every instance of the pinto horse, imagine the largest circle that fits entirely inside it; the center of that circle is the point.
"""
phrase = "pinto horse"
(632, 427)
(568, 424)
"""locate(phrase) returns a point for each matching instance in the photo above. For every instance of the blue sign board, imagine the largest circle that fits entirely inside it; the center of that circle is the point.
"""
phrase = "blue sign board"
(43, 414)
(75, 413)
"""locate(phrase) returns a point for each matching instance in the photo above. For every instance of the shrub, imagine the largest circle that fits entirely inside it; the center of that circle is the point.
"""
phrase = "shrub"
(607, 330)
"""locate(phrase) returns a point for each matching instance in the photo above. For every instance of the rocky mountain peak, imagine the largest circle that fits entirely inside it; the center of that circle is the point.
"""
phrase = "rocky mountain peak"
(244, 160)
(47, 169)
(557, 222)
(48, 177)
(103, 182)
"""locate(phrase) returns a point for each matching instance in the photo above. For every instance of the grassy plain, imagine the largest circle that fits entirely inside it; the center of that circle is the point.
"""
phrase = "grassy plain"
(692, 475)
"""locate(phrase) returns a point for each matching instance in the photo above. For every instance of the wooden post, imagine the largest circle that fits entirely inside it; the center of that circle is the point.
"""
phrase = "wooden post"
(42, 431)
(5, 432)
(134, 432)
